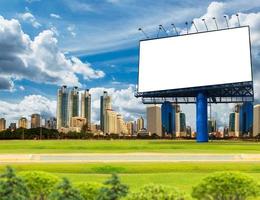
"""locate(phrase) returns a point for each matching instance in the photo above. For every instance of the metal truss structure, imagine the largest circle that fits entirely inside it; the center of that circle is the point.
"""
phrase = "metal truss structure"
(225, 93)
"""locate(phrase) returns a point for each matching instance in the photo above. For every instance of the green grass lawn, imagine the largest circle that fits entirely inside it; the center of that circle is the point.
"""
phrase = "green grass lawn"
(180, 175)
(124, 146)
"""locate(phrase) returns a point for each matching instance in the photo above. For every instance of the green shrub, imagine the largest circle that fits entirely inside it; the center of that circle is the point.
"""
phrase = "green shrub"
(89, 191)
(40, 184)
(64, 191)
(226, 186)
(12, 187)
(156, 192)
(113, 189)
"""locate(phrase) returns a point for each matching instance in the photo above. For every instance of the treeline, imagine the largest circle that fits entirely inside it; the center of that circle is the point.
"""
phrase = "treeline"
(37, 185)
(41, 133)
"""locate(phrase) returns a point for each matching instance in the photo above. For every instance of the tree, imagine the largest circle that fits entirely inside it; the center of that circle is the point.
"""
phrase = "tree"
(40, 184)
(12, 187)
(156, 192)
(226, 186)
(89, 191)
(65, 191)
(113, 189)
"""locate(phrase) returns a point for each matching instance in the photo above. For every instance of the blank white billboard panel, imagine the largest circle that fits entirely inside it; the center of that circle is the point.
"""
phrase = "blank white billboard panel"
(204, 59)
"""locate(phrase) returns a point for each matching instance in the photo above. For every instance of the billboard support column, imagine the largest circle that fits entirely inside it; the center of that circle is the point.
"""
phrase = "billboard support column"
(202, 117)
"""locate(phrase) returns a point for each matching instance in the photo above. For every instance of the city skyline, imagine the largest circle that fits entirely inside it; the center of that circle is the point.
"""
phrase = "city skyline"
(97, 62)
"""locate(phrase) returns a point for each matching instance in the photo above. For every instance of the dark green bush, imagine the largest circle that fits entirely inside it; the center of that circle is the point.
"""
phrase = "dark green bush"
(65, 191)
(226, 186)
(113, 189)
(40, 184)
(89, 191)
(12, 187)
(156, 192)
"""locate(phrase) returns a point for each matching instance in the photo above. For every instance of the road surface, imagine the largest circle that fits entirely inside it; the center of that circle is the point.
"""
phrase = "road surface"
(126, 157)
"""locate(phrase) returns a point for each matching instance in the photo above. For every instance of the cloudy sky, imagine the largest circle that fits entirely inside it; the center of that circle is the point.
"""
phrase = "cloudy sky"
(94, 44)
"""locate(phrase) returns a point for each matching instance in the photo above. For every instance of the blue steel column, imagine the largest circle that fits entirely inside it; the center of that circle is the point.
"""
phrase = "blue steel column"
(202, 117)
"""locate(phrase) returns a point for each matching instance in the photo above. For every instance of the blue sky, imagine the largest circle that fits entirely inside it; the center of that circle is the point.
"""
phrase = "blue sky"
(103, 35)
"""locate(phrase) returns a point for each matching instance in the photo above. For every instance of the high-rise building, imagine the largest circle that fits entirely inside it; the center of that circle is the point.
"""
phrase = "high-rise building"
(22, 123)
(35, 121)
(168, 118)
(234, 122)
(182, 122)
(86, 107)
(246, 118)
(110, 122)
(51, 123)
(105, 104)
(73, 104)
(188, 131)
(212, 126)
(62, 107)
(121, 125)
(154, 122)
(130, 128)
(256, 130)
(2, 124)
(140, 124)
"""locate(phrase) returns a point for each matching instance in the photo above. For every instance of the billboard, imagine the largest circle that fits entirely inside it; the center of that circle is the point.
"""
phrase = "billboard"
(194, 60)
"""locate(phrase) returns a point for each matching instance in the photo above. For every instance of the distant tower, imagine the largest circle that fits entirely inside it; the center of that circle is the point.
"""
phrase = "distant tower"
(86, 107)
(62, 107)
(154, 122)
(23, 123)
(2, 124)
(140, 124)
(168, 118)
(246, 118)
(256, 130)
(105, 104)
(73, 104)
(35, 121)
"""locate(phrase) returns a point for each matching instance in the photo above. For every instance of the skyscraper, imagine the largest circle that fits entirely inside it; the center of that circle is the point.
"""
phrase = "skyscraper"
(182, 122)
(35, 121)
(105, 104)
(110, 122)
(256, 130)
(212, 126)
(130, 128)
(22, 123)
(246, 118)
(2, 124)
(232, 121)
(140, 124)
(168, 118)
(154, 122)
(86, 107)
(73, 104)
(121, 125)
(62, 107)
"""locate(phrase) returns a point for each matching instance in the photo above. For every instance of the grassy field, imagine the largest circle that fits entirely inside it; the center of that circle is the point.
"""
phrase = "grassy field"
(125, 146)
(180, 175)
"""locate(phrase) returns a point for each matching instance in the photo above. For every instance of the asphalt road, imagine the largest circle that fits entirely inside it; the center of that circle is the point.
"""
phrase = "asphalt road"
(126, 157)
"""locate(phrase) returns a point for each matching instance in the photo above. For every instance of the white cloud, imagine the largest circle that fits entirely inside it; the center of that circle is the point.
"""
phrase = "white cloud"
(77, 6)
(56, 16)
(71, 30)
(40, 59)
(29, 18)
(27, 106)
(21, 88)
